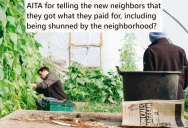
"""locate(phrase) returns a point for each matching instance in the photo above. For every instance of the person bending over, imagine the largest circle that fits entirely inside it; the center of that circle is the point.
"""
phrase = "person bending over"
(51, 87)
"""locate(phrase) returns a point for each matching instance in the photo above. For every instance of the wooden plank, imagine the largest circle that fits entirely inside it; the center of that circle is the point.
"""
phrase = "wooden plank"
(91, 66)
(69, 48)
(101, 50)
(85, 45)
(108, 120)
(60, 62)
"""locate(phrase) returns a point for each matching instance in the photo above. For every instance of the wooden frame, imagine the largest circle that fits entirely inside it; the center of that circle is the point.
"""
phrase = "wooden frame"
(69, 48)
(85, 46)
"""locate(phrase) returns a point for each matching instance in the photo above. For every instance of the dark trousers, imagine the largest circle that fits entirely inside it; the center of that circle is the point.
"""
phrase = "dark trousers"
(39, 102)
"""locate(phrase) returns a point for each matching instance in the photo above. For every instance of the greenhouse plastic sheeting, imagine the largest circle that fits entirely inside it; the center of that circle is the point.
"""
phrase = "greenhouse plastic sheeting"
(59, 45)
(111, 41)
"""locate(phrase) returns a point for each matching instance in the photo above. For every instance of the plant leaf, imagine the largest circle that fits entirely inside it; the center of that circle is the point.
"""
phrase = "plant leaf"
(3, 17)
(1, 41)
(11, 19)
(103, 99)
(73, 76)
(120, 93)
(111, 100)
(113, 83)
(1, 51)
(81, 81)
(1, 100)
(18, 69)
(70, 85)
(6, 90)
(13, 37)
(3, 4)
(1, 74)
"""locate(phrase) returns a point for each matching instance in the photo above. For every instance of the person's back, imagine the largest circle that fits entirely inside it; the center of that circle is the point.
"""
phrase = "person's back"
(161, 55)
(51, 87)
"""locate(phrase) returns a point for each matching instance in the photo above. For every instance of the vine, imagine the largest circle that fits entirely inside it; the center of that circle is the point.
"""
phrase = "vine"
(128, 55)
(19, 57)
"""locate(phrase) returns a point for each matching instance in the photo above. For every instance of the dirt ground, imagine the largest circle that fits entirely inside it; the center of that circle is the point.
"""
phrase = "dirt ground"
(44, 119)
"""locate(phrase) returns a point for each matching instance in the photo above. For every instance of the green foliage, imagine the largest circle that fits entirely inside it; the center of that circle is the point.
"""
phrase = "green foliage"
(99, 107)
(128, 56)
(90, 84)
(186, 103)
(19, 59)
(48, 60)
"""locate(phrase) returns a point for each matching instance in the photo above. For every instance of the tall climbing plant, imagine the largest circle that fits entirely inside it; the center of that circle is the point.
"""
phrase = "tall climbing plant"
(19, 59)
(128, 55)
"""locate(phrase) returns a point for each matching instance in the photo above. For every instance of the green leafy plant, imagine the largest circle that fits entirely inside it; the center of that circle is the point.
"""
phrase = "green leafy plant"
(19, 59)
(48, 60)
(90, 84)
(128, 56)
(99, 107)
(186, 103)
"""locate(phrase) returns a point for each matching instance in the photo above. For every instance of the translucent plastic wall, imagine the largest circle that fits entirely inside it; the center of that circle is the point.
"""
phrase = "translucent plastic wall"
(59, 45)
(111, 41)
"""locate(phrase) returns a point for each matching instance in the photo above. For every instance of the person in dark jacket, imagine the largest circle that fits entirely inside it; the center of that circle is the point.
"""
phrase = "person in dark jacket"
(161, 55)
(51, 87)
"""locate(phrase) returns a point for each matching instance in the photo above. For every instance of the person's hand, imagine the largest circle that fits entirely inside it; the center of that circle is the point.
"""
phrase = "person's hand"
(34, 85)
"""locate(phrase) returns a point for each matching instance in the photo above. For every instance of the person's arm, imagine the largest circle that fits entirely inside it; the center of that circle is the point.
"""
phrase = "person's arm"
(46, 83)
(38, 90)
(34, 85)
(51, 79)
(147, 61)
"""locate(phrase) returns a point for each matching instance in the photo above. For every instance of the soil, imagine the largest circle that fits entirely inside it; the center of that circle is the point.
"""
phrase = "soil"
(44, 119)
(75, 122)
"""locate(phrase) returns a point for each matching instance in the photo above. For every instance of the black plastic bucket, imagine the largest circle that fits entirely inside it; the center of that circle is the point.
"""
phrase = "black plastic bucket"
(144, 85)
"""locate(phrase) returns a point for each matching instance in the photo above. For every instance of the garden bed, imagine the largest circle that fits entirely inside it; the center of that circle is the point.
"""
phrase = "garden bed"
(33, 119)
(97, 107)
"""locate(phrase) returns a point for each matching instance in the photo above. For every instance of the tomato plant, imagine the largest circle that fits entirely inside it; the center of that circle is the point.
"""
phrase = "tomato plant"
(128, 55)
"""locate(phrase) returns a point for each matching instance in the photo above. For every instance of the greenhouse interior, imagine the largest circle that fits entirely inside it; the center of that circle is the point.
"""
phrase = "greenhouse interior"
(95, 91)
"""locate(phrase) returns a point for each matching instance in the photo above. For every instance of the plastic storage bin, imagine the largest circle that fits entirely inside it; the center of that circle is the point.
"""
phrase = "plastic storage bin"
(57, 105)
